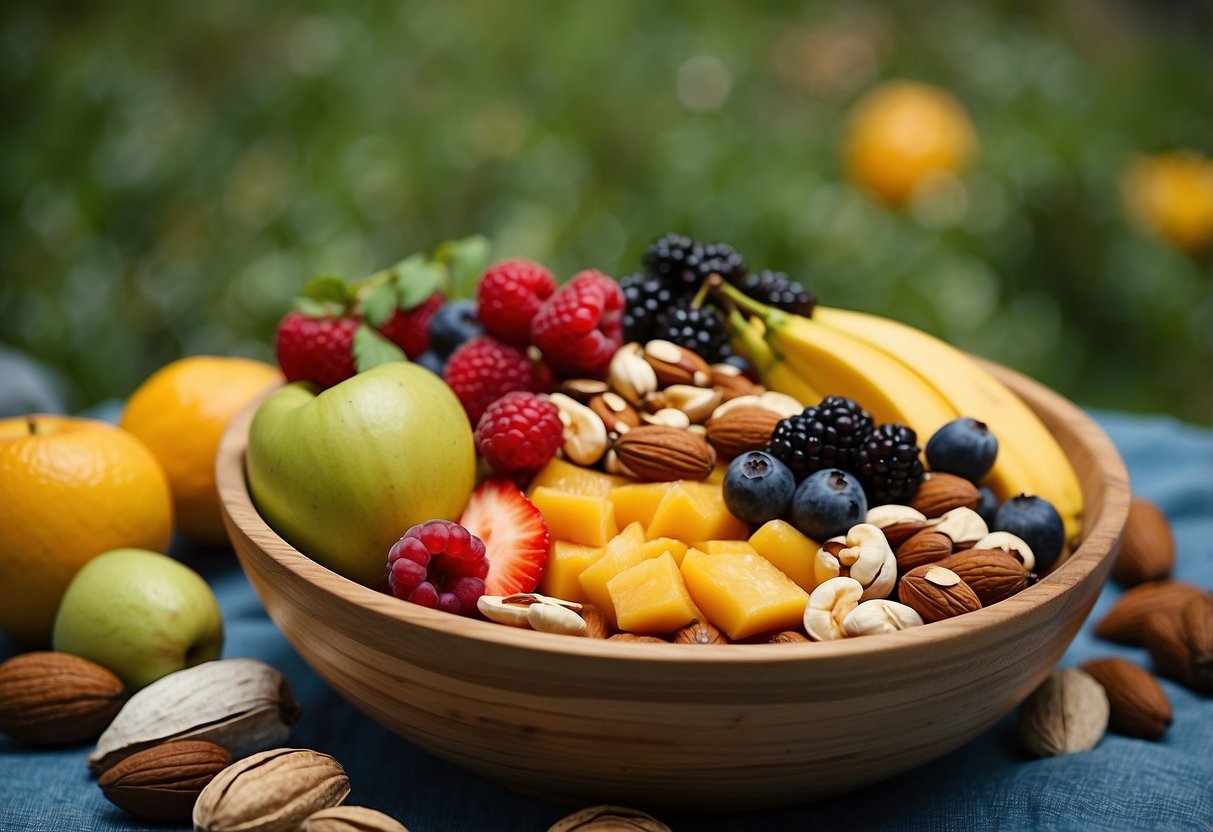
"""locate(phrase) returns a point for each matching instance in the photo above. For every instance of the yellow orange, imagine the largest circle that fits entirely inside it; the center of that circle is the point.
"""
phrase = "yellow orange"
(180, 413)
(1171, 196)
(902, 134)
(70, 489)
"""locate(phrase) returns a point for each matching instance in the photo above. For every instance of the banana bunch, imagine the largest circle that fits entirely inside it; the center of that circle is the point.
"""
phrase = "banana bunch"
(902, 374)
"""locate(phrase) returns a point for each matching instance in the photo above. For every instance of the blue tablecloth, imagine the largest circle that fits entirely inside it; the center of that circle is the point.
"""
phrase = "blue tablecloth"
(988, 784)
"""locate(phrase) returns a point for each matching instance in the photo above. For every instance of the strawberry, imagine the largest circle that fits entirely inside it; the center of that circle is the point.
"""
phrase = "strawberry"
(515, 537)
(409, 329)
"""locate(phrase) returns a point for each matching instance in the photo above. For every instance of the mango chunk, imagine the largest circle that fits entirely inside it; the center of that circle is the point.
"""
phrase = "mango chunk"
(573, 479)
(743, 594)
(622, 552)
(658, 546)
(719, 547)
(651, 597)
(577, 518)
(566, 562)
(791, 552)
(636, 501)
(692, 511)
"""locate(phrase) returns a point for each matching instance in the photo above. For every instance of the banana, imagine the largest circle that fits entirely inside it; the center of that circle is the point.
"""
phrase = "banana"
(775, 373)
(1029, 458)
(838, 364)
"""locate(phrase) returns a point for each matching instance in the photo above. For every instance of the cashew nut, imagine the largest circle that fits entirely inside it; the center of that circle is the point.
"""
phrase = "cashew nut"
(963, 525)
(630, 375)
(829, 604)
(892, 514)
(553, 618)
(1012, 544)
(880, 615)
(585, 434)
(865, 556)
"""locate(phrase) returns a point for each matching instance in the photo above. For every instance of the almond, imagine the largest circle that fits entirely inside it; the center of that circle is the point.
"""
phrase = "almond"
(936, 593)
(1148, 550)
(788, 637)
(49, 698)
(597, 625)
(617, 415)
(994, 575)
(162, 782)
(634, 637)
(656, 453)
(740, 430)
(1139, 706)
(1182, 645)
(675, 364)
(941, 492)
(732, 383)
(922, 548)
(1125, 622)
(700, 632)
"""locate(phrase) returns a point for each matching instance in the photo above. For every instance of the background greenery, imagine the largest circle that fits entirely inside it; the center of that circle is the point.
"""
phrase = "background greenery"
(170, 174)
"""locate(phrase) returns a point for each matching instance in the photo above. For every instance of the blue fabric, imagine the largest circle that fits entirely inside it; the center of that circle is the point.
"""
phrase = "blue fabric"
(988, 784)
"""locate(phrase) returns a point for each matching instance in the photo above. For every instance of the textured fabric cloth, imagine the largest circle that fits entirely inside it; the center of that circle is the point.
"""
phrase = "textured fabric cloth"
(986, 785)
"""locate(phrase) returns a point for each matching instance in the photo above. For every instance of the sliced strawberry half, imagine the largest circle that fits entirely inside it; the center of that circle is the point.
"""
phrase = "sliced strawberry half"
(514, 534)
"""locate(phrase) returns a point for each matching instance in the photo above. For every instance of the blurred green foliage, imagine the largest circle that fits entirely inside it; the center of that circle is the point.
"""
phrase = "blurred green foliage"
(170, 174)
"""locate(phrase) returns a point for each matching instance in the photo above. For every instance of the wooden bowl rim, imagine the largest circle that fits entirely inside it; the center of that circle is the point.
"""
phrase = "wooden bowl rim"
(1101, 534)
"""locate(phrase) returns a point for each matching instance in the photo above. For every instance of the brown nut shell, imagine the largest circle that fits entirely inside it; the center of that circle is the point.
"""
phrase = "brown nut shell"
(1181, 645)
(1148, 550)
(940, 493)
(700, 632)
(163, 782)
(49, 698)
(1125, 622)
(1138, 705)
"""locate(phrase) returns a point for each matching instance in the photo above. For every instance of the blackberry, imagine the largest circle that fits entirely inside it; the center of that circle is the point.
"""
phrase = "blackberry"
(684, 263)
(826, 435)
(644, 299)
(778, 290)
(889, 464)
(699, 329)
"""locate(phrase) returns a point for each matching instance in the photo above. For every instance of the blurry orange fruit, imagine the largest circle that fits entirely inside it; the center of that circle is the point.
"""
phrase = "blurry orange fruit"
(180, 413)
(1171, 196)
(70, 489)
(901, 134)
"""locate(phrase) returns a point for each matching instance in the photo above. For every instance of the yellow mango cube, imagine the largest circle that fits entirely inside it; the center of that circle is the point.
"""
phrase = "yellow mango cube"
(636, 501)
(719, 547)
(651, 597)
(577, 518)
(573, 479)
(659, 546)
(717, 475)
(622, 552)
(566, 562)
(692, 511)
(791, 552)
(743, 594)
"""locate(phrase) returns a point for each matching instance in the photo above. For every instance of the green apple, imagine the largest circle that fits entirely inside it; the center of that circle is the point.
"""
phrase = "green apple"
(141, 614)
(341, 475)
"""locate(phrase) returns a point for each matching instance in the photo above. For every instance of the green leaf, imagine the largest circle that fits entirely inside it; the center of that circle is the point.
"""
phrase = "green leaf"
(372, 349)
(465, 260)
(327, 288)
(378, 304)
(416, 279)
(317, 309)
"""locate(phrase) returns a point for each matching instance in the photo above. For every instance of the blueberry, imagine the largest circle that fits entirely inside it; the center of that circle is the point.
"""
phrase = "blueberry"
(987, 507)
(430, 360)
(453, 323)
(964, 447)
(758, 487)
(1035, 521)
(828, 503)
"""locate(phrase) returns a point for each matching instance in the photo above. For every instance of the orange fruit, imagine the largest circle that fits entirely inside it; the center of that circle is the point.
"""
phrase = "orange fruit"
(180, 413)
(903, 134)
(70, 489)
(1171, 196)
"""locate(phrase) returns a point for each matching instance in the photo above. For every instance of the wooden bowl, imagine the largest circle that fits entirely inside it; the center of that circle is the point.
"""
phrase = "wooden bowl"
(681, 726)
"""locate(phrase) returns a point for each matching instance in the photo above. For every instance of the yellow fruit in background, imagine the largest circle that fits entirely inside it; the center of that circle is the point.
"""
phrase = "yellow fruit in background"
(901, 134)
(180, 413)
(70, 489)
(1171, 196)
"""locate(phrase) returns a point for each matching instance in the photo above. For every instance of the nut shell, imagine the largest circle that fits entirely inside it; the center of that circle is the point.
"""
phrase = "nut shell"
(662, 454)
(925, 547)
(351, 819)
(700, 632)
(49, 698)
(1125, 622)
(271, 791)
(936, 593)
(1138, 705)
(742, 429)
(1148, 550)
(940, 493)
(994, 575)
(163, 782)
(609, 819)
(1181, 645)
(1068, 713)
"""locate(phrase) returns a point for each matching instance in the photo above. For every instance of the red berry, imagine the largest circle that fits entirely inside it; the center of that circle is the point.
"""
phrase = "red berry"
(319, 350)
(409, 329)
(515, 537)
(483, 370)
(438, 564)
(578, 328)
(519, 432)
(509, 295)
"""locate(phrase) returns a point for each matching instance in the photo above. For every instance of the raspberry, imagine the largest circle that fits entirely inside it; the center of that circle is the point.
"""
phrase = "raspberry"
(438, 564)
(579, 328)
(509, 295)
(519, 432)
(483, 370)
(409, 329)
(319, 350)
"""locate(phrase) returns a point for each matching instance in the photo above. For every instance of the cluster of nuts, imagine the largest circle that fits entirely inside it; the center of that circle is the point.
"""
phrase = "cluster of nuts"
(663, 413)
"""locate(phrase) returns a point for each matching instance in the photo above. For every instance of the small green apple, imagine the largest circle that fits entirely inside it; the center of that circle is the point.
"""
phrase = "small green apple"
(140, 614)
(343, 474)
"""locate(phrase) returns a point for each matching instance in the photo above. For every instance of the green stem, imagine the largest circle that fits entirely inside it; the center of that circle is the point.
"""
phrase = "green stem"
(760, 353)
(32, 425)
(769, 315)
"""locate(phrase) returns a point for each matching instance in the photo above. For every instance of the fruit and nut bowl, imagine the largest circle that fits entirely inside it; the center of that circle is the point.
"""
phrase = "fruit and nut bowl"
(688, 538)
